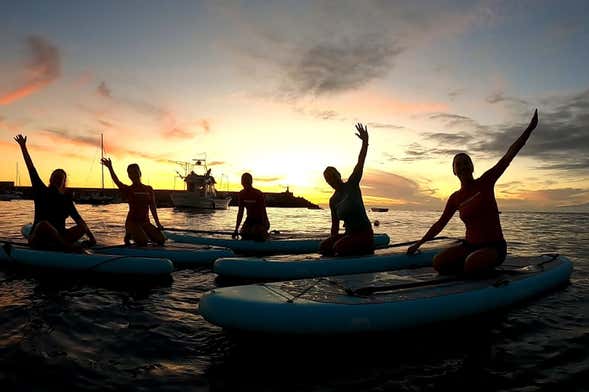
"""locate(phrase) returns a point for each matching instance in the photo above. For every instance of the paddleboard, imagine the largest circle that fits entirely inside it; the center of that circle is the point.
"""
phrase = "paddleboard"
(16, 255)
(182, 255)
(386, 301)
(290, 267)
(286, 246)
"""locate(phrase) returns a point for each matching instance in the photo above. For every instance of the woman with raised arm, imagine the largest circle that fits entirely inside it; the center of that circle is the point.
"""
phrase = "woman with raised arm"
(346, 204)
(52, 208)
(141, 199)
(484, 246)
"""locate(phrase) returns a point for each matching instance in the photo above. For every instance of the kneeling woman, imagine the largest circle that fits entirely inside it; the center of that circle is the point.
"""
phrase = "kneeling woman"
(484, 247)
(346, 204)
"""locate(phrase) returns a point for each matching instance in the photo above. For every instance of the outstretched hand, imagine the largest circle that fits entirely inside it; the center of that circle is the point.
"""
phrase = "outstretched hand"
(362, 132)
(106, 162)
(21, 140)
(534, 121)
(413, 248)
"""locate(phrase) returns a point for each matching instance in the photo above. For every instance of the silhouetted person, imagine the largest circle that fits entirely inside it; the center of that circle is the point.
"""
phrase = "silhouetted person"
(484, 246)
(141, 199)
(346, 204)
(52, 208)
(256, 223)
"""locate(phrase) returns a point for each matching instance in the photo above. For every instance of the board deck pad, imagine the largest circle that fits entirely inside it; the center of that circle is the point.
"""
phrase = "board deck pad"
(428, 283)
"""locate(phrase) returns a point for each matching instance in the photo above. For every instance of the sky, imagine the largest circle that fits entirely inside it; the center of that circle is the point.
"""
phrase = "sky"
(275, 89)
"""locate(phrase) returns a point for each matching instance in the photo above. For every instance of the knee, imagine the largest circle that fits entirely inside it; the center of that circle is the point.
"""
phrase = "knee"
(43, 225)
(326, 247)
(141, 242)
(437, 262)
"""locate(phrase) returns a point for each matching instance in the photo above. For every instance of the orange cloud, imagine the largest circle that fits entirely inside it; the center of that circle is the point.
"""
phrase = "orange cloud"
(43, 69)
(385, 104)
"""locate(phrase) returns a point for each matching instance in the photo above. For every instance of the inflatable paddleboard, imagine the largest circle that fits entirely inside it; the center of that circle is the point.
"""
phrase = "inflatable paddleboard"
(182, 255)
(299, 267)
(16, 255)
(387, 301)
(287, 246)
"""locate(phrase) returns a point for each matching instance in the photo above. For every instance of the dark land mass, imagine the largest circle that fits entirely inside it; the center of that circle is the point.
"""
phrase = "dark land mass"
(273, 199)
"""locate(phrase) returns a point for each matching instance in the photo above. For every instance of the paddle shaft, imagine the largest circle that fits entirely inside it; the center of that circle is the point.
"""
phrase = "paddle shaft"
(208, 231)
(412, 242)
(199, 231)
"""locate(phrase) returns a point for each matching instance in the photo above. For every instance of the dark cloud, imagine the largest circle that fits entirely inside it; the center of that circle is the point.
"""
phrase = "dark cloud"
(561, 141)
(44, 67)
(499, 97)
(334, 67)
(205, 125)
(456, 93)
(103, 90)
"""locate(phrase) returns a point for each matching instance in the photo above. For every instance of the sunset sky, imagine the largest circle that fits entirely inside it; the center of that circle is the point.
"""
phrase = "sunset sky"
(275, 89)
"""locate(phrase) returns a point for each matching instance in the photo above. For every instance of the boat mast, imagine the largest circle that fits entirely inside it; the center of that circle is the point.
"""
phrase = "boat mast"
(101, 158)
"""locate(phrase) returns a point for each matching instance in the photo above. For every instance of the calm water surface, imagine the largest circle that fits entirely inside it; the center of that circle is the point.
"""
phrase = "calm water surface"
(97, 335)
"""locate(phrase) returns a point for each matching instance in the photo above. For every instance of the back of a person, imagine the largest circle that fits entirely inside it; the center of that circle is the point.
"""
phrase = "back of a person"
(253, 201)
(51, 206)
(139, 197)
(350, 208)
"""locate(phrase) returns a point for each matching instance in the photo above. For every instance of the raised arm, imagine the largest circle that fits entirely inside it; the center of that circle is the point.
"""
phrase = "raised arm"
(73, 212)
(437, 227)
(496, 171)
(359, 168)
(153, 209)
(107, 162)
(35, 179)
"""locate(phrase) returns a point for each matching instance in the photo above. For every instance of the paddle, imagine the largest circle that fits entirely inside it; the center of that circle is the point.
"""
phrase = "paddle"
(208, 231)
(414, 241)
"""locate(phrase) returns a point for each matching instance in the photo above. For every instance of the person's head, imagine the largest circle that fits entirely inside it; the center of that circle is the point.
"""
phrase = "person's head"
(134, 172)
(332, 176)
(58, 179)
(246, 180)
(462, 166)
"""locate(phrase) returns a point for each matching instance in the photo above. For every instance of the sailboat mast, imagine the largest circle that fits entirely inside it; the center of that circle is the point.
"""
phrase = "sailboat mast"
(101, 158)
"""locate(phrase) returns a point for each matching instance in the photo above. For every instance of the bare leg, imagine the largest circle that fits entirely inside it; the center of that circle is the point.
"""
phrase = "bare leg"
(481, 261)
(354, 244)
(74, 233)
(137, 234)
(154, 234)
(326, 247)
(451, 260)
(45, 236)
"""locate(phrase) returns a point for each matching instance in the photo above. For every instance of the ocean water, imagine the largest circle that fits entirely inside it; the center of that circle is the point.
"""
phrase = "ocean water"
(67, 333)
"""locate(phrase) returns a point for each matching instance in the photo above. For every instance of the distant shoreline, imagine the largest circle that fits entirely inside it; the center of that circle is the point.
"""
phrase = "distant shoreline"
(273, 199)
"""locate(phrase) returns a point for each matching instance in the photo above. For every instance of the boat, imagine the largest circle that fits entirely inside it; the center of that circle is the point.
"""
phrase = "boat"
(273, 246)
(7, 190)
(97, 198)
(379, 209)
(288, 267)
(381, 302)
(10, 195)
(200, 189)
